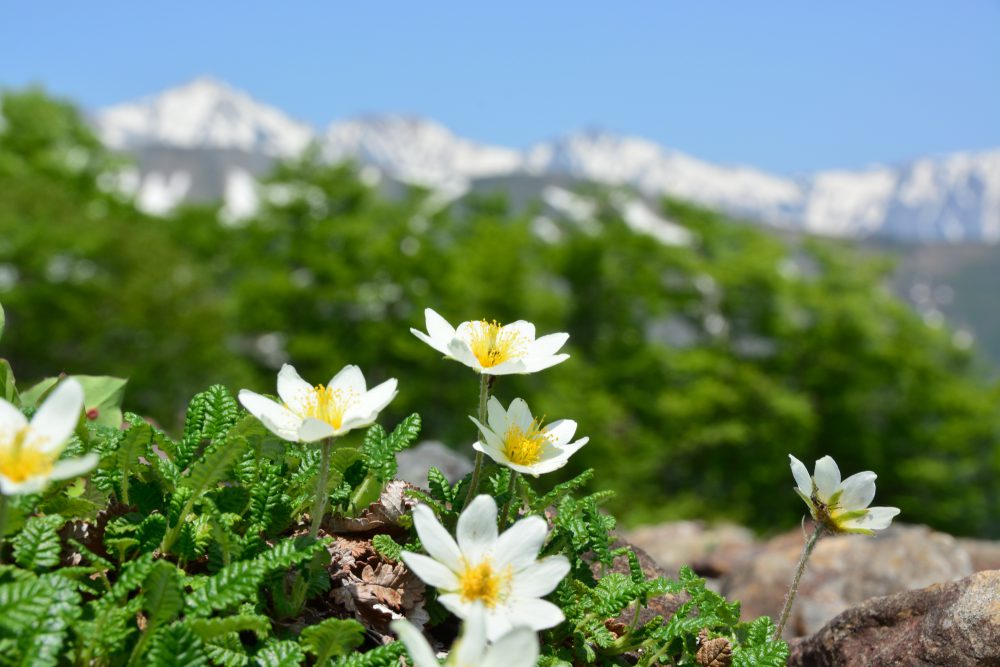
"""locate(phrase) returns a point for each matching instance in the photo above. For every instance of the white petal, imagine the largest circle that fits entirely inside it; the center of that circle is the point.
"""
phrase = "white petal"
(509, 367)
(535, 364)
(560, 432)
(350, 379)
(11, 419)
(536, 614)
(419, 650)
(540, 578)
(517, 648)
(31, 485)
(877, 518)
(439, 345)
(827, 477)
(293, 390)
(496, 415)
(58, 415)
(546, 346)
(524, 329)
(454, 603)
(477, 528)
(802, 479)
(436, 540)
(499, 621)
(376, 399)
(519, 545)
(312, 429)
(278, 419)
(859, 491)
(459, 350)
(469, 649)
(430, 571)
(438, 328)
(68, 468)
(519, 414)
(546, 465)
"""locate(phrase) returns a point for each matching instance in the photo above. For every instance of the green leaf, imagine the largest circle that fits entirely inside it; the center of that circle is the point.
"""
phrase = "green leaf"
(3, 321)
(210, 628)
(22, 603)
(332, 638)
(211, 469)
(280, 654)
(386, 547)
(176, 646)
(162, 595)
(37, 546)
(103, 394)
(8, 389)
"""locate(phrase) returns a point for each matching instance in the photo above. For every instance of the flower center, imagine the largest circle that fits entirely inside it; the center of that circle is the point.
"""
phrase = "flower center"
(484, 583)
(22, 458)
(493, 345)
(525, 447)
(329, 405)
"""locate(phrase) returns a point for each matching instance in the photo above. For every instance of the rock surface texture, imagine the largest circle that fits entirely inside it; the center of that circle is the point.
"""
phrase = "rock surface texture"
(844, 571)
(946, 625)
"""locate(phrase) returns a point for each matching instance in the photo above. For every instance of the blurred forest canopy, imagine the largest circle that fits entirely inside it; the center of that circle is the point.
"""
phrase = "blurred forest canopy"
(695, 370)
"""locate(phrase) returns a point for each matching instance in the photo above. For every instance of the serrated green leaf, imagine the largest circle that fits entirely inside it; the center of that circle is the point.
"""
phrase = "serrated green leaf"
(162, 595)
(210, 628)
(37, 546)
(8, 386)
(332, 638)
(280, 654)
(176, 646)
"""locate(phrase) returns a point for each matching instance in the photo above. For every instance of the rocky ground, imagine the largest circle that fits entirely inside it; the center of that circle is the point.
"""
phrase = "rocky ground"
(909, 596)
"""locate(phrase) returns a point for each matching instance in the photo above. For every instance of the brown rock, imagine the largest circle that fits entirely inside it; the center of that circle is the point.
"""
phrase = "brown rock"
(985, 554)
(956, 624)
(711, 551)
(844, 570)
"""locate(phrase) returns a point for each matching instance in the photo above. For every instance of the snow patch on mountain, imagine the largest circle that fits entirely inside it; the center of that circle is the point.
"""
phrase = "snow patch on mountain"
(203, 114)
(416, 150)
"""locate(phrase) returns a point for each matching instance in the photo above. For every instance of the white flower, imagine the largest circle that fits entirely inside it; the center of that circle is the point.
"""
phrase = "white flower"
(841, 506)
(517, 440)
(517, 648)
(308, 414)
(502, 572)
(493, 349)
(29, 452)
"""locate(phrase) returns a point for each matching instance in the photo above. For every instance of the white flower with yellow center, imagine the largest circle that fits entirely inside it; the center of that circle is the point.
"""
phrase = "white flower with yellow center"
(519, 441)
(491, 348)
(517, 648)
(29, 452)
(840, 506)
(307, 413)
(500, 572)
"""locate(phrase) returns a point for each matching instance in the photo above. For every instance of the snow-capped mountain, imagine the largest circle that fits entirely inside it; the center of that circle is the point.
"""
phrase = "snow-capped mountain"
(951, 198)
(203, 114)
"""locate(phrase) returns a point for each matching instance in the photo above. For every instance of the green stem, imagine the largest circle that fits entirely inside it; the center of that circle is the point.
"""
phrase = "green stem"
(319, 505)
(790, 598)
(3, 522)
(485, 383)
(505, 514)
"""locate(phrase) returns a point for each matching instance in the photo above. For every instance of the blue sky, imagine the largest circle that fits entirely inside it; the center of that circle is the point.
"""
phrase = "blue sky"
(785, 86)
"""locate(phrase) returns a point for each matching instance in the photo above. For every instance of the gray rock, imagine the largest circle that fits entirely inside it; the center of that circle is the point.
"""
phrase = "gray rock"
(844, 571)
(711, 550)
(956, 624)
(414, 463)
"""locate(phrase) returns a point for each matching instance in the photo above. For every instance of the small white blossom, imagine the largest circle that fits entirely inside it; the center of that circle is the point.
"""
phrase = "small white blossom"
(29, 452)
(841, 506)
(500, 572)
(517, 648)
(517, 440)
(308, 414)
(491, 348)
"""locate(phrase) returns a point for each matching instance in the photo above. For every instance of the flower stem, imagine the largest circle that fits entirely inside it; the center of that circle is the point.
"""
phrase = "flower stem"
(3, 522)
(485, 384)
(505, 514)
(790, 598)
(319, 504)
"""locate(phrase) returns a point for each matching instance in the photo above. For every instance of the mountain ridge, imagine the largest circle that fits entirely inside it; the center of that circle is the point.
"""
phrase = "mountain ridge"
(951, 198)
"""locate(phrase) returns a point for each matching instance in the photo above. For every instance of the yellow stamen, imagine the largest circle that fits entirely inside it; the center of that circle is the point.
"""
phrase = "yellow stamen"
(493, 344)
(22, 458)
(525, 447)
(484, 583)
(329, 405)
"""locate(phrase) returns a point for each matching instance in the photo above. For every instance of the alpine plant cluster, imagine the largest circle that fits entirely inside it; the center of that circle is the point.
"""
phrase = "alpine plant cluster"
(507, 561)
